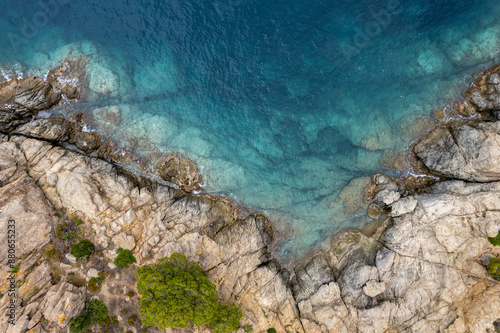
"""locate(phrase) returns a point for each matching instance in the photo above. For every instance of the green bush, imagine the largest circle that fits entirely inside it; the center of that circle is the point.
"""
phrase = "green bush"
(124, 259)
(60, 229)
(271, 330)
(79, 222)
(177, 293)
(131, 320)
(248, 328)
(494, 268)
(226, 318)
(95, 282)
(16, 268)
(495, 240)
(68, 235)
(83, 249)
(95, 312)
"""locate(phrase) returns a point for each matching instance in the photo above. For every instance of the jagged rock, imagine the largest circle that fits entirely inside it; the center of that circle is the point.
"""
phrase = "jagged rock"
(27, 96)
(309, 278)
(374, 288)
(124, 241)
(465, 151)
(36, 281)
(22, 201)
(54, 129)
(85, 141)
(351, 281)
(181, 171)
(62, 303)
(387, 196)
(403, 206)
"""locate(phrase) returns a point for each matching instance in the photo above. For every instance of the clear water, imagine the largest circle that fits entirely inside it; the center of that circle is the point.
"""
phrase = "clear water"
(282, 103)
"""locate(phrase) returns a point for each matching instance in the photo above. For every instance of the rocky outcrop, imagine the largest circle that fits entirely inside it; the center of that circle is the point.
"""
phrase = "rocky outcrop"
(463, 151)
(422, 270)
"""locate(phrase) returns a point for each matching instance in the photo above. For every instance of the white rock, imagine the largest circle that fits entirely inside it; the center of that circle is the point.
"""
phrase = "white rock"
(92, 273)
(374, 288)
(124, 241)
(71, 258)
(403, 206)
(387, 196)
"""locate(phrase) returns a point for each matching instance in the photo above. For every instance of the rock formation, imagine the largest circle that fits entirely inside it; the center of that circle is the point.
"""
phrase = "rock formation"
(421, 270)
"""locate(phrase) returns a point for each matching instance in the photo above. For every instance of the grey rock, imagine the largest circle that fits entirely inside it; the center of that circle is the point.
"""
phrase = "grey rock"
(467, 152)
(71, 258)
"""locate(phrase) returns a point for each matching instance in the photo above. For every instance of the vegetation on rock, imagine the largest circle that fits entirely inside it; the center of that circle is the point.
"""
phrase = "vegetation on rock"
(177, 293)
(495, 240)
(83, 249)
(226, 318)
(494, 268)
(124, 259)
(16, 268)
(95, 282)
(95, 312)
(248, 328)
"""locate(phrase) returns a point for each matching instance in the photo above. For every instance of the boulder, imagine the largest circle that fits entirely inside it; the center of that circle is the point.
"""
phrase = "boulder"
(464, 151)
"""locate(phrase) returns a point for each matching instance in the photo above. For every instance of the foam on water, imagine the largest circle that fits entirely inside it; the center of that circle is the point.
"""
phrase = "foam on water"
(284, 104)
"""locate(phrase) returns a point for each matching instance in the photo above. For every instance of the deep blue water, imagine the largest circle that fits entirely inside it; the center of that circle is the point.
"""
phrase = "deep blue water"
(282, 103)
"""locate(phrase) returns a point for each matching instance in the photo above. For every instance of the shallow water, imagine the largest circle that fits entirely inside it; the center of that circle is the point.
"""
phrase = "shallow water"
(281, 103)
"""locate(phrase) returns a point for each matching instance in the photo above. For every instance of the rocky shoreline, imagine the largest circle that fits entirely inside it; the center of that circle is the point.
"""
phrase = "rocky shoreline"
(422, 269)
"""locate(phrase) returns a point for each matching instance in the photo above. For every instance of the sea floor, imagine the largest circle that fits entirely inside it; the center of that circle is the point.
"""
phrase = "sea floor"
(285, 106)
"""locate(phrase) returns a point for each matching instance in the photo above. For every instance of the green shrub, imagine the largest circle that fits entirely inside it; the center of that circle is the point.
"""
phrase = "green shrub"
(95, 282)
(494, 268)
(95, 312)
(83, 249)
(132, 320)
(68, 235)
(226, 318)
(124, 259)
(248, 328)
(177, 293)
(130, 294)
(495, 240)
(59, 230)
(271, 330)
(16, 268)
(51, 252)
(79, 222)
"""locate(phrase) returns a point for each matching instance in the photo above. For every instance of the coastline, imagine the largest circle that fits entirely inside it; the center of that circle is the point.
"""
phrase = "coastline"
(352, 287)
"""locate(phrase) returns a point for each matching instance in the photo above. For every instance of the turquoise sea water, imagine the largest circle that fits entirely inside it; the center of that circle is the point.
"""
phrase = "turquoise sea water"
(281, 103)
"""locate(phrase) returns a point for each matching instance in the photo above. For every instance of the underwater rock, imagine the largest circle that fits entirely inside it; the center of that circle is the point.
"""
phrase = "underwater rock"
(110, 114)
(102, 80)
(475, 49)
(353, 196)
